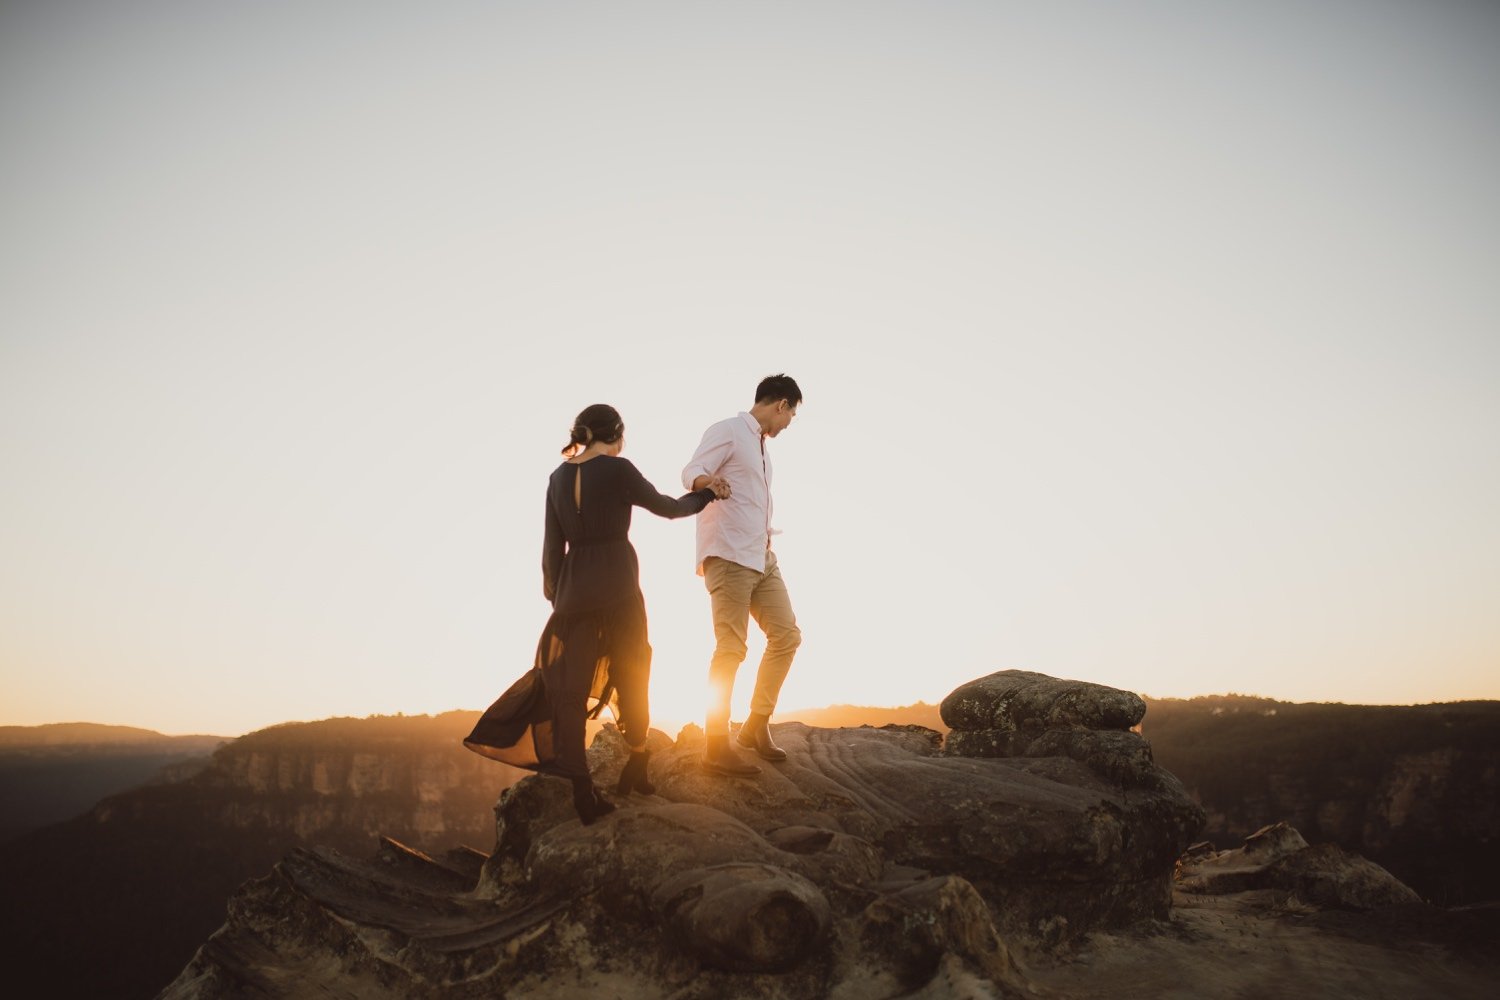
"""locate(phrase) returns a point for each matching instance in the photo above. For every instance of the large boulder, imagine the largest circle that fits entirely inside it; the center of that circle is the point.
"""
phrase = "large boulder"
(1022, 699)
(1018, 713)
(869, 863)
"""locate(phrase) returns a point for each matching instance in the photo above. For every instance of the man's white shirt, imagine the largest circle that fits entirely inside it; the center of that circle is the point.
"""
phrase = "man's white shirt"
(739, 528)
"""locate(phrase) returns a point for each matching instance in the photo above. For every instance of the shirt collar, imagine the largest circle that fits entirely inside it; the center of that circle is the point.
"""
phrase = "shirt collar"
(754, 424)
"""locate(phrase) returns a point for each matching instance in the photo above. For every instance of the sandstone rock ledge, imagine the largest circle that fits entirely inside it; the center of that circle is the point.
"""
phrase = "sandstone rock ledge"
(872, 863)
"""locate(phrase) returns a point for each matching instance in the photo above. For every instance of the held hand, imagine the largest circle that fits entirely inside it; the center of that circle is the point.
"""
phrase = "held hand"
(718, 484)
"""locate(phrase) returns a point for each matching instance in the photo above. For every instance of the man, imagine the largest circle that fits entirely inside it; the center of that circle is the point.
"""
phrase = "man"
(740, 570)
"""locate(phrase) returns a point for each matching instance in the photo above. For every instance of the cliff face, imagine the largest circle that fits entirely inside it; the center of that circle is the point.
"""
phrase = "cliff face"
(355, 774)
(434, 795)
(1414, 788)
(1435, 795)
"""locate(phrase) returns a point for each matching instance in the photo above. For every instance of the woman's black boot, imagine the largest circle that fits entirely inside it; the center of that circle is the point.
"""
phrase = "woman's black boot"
(633, 777)
(588, 802)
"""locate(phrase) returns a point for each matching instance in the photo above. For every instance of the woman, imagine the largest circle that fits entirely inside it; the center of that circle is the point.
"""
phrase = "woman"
(594, 645)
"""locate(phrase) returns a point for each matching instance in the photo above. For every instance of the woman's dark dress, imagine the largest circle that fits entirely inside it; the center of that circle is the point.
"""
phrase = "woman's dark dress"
(594, 645)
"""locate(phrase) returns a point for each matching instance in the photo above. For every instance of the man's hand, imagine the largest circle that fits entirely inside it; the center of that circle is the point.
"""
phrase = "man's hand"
(718, 484)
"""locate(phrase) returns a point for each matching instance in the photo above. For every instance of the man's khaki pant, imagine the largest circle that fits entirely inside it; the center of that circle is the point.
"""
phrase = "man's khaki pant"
(737, 592)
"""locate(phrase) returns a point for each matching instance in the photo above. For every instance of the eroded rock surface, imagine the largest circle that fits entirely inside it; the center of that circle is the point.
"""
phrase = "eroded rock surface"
(872, 862)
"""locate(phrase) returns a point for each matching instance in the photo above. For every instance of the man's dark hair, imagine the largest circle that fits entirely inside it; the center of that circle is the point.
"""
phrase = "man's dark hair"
(774, 387)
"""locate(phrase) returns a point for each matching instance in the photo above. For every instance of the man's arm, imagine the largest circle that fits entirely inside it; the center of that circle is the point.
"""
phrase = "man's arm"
(713, 451)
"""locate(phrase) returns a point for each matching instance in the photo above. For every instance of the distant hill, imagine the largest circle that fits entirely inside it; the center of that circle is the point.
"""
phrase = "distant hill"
(54, 772)
(837, 716)
(58, 734)
(143, 877)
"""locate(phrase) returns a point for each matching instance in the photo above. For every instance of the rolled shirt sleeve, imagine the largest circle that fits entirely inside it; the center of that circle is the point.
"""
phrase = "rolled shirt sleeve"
(713, 451)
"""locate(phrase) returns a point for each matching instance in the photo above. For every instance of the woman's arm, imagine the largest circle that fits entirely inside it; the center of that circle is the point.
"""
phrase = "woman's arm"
(643, 494)
(552, 553)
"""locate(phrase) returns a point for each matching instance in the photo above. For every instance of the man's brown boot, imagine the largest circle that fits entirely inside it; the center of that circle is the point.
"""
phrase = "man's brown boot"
(755, 735)
(718, 758)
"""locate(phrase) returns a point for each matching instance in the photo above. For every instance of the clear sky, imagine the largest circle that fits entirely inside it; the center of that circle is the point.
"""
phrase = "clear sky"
(1156, 344)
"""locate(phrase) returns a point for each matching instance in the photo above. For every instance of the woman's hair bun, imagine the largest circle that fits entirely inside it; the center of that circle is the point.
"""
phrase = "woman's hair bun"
(600, 422)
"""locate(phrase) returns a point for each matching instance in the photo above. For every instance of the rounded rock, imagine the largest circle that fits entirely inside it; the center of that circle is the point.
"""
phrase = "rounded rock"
(745, 917)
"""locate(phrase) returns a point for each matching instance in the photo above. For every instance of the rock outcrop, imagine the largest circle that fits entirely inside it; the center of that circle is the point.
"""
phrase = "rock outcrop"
(1277, 857)
(1018, 713)
(870, 863)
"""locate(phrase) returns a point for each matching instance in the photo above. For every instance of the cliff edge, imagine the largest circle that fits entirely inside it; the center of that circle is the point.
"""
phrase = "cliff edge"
(871, 863)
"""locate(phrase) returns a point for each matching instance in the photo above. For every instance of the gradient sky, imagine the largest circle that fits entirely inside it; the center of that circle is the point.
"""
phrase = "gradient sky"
(1156, 344)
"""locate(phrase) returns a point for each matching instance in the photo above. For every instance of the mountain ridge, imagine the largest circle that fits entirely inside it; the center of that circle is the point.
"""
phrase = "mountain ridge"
(63, 734)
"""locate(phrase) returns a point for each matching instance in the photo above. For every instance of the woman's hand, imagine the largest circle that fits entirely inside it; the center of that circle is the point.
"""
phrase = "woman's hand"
(720, 486)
